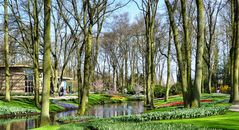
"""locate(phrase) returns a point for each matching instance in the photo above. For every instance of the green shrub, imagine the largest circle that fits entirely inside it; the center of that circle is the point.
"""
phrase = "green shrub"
(175, 114)
(159, 91)
(175, 89)
(130, 90)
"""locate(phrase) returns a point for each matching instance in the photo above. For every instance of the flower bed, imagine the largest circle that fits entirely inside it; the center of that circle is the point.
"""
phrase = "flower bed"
(181, 103)
(117, 98)
(176, 114)
(110, 125)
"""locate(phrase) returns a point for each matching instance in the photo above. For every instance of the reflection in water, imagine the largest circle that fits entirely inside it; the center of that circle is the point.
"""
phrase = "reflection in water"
(110, 110)
(104, 111)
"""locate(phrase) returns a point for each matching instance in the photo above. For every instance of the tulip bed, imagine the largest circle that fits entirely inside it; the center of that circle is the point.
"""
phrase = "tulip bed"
(181, 103)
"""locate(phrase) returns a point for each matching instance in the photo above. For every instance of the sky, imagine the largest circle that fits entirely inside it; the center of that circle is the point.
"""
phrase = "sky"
(133, 10)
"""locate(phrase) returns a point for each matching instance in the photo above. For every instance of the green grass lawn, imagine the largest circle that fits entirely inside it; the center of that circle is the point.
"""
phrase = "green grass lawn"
(51, 127)
(95, 99)
(24, 105)
(228, 121)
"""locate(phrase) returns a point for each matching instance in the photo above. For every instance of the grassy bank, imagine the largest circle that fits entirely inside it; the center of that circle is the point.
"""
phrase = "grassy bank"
(210, 116)
(228, 121)
(96, 99)
(23, 106)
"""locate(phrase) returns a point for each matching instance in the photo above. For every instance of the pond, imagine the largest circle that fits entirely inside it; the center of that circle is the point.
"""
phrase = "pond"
(103, 111)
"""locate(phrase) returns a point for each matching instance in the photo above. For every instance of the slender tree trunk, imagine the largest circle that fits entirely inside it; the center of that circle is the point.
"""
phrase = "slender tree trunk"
(132, 81)
(187, 44)
(79, 77)
(45, 116)
(6, 50)
(36, 53)
(114, 79)
(121, 77)
(232, 49)
(55, 78)
(169, 68)
(88, 57)
(236, 55)
(151, 9)
(126, 71)
(210, 82)
(199, 55)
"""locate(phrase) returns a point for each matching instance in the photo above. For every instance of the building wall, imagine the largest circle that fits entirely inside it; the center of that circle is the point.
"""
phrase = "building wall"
(17, 80)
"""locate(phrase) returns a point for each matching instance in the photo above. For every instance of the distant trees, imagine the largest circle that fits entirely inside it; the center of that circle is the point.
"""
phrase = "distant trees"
(212, 9)
(125, 55)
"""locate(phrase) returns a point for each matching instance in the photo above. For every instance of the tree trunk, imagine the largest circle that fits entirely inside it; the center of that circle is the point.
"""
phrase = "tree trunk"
(88, 57)
(132, 81)
(6, 50)
(232, 50)
(236, 55)
(169, 68)
(126, 71)
(187, 44)
(36, 54)
(210, 82)
(199, 55)
(45, 117)
(182, 68)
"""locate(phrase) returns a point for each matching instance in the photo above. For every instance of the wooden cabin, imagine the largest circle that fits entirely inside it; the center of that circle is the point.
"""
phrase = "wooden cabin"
(21, 79)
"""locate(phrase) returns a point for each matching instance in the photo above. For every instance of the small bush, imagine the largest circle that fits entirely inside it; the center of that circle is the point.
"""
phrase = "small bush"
(159, 91)
(225, 89)
(176, 89)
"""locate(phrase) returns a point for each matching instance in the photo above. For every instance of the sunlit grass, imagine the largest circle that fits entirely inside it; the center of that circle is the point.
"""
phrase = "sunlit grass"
(228, 121)
(51, 127)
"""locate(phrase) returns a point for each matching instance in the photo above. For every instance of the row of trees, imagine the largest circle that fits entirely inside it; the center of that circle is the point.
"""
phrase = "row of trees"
(67, 36)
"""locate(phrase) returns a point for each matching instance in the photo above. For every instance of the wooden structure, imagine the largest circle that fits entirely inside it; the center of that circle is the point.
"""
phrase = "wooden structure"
(21, 79)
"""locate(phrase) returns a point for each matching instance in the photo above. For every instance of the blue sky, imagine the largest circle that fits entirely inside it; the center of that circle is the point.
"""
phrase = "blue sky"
(133, 10)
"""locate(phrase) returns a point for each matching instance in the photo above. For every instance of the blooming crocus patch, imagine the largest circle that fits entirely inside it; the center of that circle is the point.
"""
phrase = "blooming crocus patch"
(181, 103)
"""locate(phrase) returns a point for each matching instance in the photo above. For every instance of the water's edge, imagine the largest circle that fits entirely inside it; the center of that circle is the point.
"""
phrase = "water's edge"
(30, 121)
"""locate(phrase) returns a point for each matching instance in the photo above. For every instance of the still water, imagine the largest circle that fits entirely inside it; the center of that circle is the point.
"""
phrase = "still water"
(104, 111)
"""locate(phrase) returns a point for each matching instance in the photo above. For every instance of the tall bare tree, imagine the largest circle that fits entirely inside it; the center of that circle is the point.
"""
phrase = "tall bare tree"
(35, 42)
(236, 51)
(199, 54)
(6, 50)
(45, 116)
(180, 53)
